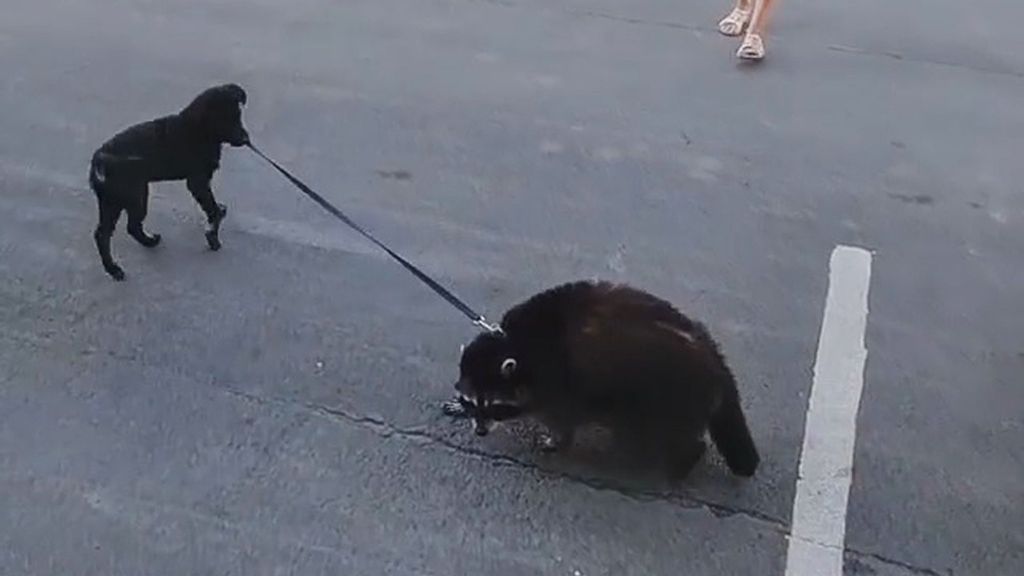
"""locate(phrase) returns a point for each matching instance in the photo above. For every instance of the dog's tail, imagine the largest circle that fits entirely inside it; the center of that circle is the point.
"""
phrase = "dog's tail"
(103, 164)
(97, 174)
(729, 431)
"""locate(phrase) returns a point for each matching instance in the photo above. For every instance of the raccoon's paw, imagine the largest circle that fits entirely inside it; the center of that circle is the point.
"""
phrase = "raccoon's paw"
(455, 408)
(552, 442)
(548, 444)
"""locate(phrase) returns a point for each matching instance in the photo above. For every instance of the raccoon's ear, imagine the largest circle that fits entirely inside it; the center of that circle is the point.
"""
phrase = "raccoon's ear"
(508, 367)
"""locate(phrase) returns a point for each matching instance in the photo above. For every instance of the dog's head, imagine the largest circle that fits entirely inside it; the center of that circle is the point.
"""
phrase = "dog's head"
(491, 384)
(217, 111)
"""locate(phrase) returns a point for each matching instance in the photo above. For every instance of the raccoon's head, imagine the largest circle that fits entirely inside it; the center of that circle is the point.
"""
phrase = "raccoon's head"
(490, 384)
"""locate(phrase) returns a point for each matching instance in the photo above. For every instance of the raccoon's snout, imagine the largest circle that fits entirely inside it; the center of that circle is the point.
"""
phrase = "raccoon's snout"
(482, 427)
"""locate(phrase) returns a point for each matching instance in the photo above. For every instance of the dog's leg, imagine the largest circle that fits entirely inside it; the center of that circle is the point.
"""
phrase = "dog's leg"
(203, 194)
(109, 214)
(137, 214)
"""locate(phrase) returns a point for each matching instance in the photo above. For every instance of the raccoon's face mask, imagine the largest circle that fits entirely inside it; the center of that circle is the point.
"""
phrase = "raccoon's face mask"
(489, 385)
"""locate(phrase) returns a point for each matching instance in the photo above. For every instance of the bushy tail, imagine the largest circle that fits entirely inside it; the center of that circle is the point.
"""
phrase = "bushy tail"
(729, 431)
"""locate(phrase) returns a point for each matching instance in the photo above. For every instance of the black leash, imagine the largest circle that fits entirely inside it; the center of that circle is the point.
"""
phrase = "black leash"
(441, 291)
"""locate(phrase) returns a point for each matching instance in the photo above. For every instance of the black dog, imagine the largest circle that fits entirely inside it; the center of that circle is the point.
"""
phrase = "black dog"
(184, 146)
(594, 352)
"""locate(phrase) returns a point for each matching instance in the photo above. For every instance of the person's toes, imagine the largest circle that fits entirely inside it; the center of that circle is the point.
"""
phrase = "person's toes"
(752, 48)
(735, 23)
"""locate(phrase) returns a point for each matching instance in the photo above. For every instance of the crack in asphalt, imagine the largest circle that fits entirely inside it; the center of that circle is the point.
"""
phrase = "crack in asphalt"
(387, 430)
(930, 61)
(381, 427)
(717, 509)
(918, 570)
(711, 30)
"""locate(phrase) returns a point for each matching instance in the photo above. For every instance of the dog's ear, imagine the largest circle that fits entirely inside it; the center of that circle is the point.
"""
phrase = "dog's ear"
(236, 93)
(211, 99)
(198, 110)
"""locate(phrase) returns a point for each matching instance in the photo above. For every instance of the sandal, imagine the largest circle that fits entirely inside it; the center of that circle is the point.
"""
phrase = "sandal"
(735, 23)
(752, 48)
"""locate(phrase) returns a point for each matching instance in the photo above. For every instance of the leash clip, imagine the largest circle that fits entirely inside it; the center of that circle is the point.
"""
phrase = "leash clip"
(492, 328)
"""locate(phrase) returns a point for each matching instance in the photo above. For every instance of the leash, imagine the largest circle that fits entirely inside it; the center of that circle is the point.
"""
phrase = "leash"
(475, 317)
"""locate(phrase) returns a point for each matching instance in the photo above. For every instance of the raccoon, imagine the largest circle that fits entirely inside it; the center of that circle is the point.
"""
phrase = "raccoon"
(607, 354)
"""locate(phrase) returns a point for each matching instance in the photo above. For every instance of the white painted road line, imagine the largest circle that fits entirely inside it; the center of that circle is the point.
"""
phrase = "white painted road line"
(817, 538)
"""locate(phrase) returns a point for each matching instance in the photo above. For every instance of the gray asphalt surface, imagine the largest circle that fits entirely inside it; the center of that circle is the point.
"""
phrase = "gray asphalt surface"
(273, 408)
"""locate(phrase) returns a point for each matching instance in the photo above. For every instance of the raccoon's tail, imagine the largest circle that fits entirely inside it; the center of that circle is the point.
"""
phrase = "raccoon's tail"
(729, 431)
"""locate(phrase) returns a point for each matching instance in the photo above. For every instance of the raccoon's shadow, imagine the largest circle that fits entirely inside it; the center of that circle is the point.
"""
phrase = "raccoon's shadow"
(598, 457)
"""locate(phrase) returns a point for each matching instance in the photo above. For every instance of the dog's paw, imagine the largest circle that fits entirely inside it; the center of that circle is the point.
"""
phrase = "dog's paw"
(153, 241)
(213, 240)
(116, 272)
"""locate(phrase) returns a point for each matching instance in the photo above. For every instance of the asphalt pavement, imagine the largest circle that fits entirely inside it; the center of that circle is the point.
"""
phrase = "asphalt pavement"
(273, 408)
